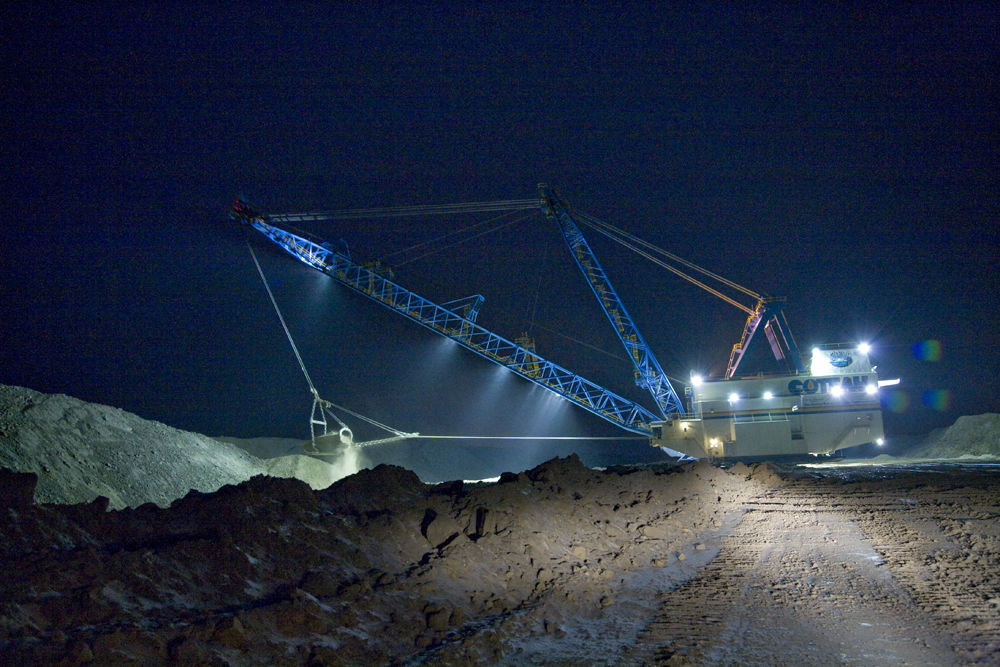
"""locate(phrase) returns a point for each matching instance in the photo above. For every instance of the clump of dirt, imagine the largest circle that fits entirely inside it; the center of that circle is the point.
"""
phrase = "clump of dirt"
(760, 472)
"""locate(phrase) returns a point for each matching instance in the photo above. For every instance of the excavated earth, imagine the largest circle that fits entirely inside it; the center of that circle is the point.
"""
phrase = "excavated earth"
(692, 564)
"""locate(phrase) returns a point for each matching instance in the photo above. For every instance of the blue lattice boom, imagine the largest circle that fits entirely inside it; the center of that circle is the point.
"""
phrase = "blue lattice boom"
(464, 331)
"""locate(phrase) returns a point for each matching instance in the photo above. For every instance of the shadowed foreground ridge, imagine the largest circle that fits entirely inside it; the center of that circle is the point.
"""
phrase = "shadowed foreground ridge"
(379, 566)
(557, 563)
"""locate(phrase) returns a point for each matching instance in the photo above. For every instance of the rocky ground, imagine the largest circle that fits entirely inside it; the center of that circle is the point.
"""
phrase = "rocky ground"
(693, 564)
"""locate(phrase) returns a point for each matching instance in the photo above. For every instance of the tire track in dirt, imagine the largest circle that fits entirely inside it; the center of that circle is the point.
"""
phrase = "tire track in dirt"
(938, 532)
(796, 582)
(943, 545)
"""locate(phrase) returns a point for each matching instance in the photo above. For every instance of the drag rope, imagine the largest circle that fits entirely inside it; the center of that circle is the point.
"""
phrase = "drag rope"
(317, 401)
(397, 434)
(530, 437)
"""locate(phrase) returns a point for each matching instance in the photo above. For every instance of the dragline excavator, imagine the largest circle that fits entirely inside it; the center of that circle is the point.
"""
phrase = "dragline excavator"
(818, 407)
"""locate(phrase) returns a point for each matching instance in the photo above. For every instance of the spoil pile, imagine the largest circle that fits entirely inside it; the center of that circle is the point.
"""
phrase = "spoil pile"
(81, 451)
(969, 436)
(560, 563)
(377, 567)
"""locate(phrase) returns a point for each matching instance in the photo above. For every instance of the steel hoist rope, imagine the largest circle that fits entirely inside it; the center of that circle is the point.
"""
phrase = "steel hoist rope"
(281, 318)
(318, 415)
(320, 406)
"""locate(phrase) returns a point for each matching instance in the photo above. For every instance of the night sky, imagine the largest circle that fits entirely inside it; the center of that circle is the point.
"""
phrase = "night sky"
(843, 157)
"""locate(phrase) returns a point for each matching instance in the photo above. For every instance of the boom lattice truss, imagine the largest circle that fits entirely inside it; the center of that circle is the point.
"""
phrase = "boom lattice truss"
(648, 372)
(457, 319)
(459, 327)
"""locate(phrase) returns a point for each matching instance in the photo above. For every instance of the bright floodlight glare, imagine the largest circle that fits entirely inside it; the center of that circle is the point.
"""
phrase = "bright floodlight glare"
(837, 390)
(880, 442)
(871, 389)
(696, 379)
(820, 363)
(768, 395)
(864, 348)
(733, 397)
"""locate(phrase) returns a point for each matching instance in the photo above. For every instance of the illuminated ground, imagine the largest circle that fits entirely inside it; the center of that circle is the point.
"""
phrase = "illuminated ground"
(878, 564)
(899, 568)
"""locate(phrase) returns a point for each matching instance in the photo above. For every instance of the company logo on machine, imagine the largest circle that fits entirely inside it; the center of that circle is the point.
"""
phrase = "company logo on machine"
(822, 385)
(840, 359)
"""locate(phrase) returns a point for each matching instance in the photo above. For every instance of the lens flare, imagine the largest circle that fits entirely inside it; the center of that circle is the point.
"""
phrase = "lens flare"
(897, 401)
(938, 399)
(927, 350)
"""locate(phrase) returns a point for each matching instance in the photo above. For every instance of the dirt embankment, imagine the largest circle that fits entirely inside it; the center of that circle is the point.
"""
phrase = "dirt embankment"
(970, 436)
(560, 563)
(694, 565)
(379, 566)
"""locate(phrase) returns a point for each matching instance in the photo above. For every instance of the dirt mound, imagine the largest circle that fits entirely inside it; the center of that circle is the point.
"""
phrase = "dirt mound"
(760, 472)
(369, 490)
(266, 448)
(313, 472)
(377, 567)
(80, 451)
(969, 436)
(556, 564)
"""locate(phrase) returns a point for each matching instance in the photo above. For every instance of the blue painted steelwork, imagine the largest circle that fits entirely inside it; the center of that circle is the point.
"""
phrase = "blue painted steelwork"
(648, 373)
(463, 330)
(779, 337)
(468, 306)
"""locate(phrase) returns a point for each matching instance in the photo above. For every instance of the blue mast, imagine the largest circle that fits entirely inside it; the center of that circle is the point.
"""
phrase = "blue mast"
(648, 373)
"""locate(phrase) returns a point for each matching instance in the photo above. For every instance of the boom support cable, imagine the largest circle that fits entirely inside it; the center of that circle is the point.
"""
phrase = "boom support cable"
(608, 229)
(632, 243)
(459, 242)
(405, 211)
